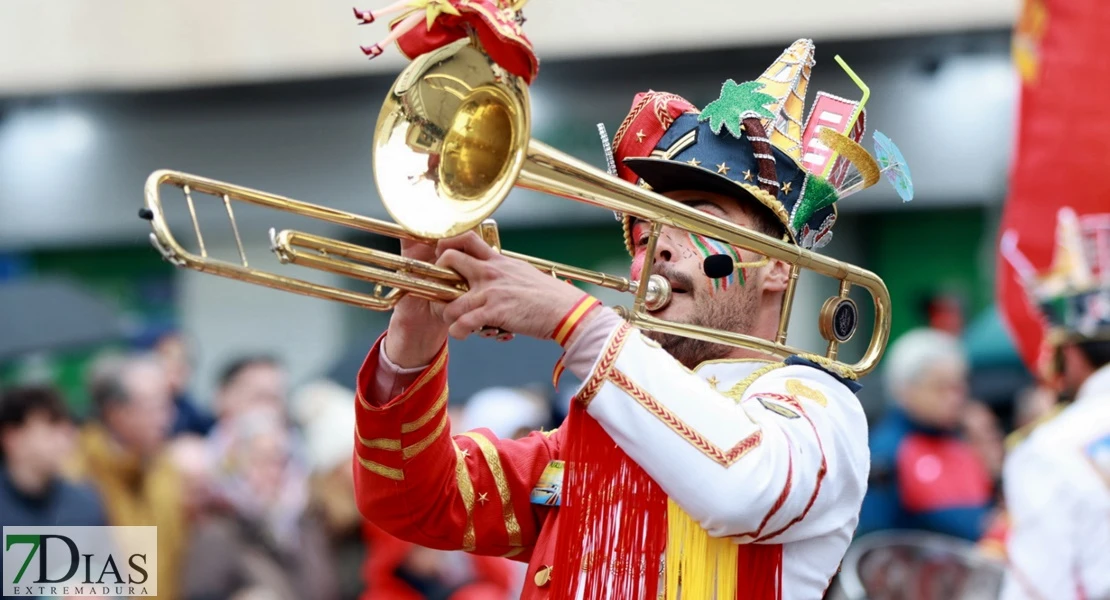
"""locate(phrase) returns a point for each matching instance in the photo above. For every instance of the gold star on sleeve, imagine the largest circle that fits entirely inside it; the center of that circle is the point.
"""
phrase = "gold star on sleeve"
(723, 169)
(786, 188)
(640, 136)
(747, 175)
(694, 162)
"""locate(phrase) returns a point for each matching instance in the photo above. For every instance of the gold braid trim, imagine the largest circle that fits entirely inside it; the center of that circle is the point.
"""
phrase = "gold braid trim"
(493, 461)
(422, 445)
(632, 114)
(736, 392)
(604, 365)
(837, 368)
(725, 458)
(423, 420)
(379, 469)
(432, 371)
(394, 445)
(378, 443)
(466, 490)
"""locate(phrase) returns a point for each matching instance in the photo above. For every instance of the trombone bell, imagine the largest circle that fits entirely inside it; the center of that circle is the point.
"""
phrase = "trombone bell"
(450, 141)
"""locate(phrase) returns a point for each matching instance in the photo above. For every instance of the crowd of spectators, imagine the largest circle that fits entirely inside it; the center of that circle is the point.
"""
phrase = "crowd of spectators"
(252, 491)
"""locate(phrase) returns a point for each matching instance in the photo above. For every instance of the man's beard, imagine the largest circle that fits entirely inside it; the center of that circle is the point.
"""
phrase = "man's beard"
(734, 310)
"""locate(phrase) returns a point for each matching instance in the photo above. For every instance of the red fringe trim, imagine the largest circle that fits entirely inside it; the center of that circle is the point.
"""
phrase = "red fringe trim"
(613, 520)
(613, 527)
(759, 572)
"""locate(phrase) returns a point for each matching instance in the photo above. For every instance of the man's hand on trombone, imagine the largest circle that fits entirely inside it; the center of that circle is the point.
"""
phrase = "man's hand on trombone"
(503, 293)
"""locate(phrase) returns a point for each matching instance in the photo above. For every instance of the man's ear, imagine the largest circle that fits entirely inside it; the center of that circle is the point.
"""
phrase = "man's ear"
(776, 276)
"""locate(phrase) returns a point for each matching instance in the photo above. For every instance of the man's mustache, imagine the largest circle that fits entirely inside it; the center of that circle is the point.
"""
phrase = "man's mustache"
(674, 276)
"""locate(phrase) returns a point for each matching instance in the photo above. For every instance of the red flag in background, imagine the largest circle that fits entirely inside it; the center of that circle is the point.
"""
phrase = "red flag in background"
(1063, 146)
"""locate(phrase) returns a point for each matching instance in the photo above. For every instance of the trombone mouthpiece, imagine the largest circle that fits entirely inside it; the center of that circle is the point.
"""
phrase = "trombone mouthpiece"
(718, 266)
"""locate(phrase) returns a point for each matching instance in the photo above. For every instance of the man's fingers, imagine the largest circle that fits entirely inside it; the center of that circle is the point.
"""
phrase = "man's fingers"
(467, 243)
(468, 302)
(471, 269)
(467, 324)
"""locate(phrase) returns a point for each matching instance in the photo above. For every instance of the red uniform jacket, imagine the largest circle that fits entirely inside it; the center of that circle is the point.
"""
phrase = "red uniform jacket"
(473, 490)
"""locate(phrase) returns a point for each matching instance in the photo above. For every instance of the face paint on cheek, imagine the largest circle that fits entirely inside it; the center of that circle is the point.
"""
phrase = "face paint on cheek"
(637, 264)
(707, 247)
(639, 231)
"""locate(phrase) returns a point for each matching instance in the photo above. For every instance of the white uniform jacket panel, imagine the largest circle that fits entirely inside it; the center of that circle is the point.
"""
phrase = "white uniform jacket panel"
(1057, 487)
(758, 451)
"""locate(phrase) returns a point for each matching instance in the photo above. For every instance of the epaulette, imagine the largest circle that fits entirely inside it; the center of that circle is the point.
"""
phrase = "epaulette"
(842, 374)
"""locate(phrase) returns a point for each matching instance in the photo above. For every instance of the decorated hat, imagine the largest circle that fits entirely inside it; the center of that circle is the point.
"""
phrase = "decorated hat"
(1074, 293)
(752, 141)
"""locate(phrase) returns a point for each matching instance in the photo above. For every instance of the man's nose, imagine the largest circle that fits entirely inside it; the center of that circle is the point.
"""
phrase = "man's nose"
(666, 249)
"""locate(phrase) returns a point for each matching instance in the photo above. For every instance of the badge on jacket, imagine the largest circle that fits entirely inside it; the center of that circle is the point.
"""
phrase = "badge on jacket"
(549, 489)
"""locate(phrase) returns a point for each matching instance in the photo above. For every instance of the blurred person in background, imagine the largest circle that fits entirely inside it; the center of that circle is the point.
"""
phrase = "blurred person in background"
(923, 475)
(259, 537)
(944, 312)
(981, 429)
(249, 382)
(1057, 481)
(172, 348)
(510, 413)
(324, 410)
(122, 452)
(1033, 405)
(246, 383)
(190, 456)
(36, 438)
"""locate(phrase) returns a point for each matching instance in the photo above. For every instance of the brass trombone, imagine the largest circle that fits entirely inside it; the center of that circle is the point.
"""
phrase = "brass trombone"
(452, 140)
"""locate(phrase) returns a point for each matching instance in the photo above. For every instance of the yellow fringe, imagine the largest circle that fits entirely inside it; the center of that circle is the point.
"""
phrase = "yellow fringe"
(700, 566)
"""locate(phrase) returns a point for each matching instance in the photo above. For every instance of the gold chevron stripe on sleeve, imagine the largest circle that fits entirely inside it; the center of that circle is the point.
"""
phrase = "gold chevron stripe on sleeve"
(377, 443)
(466, 490)
(428, 375)
(379, 469)
(493, 460)
(422, 445)
(424, 418)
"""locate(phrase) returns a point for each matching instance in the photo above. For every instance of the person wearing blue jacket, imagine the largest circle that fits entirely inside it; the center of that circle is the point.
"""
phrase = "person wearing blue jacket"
(923, 475)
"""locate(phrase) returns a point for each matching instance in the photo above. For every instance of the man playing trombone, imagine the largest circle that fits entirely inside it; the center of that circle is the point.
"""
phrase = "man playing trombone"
(681, 458)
